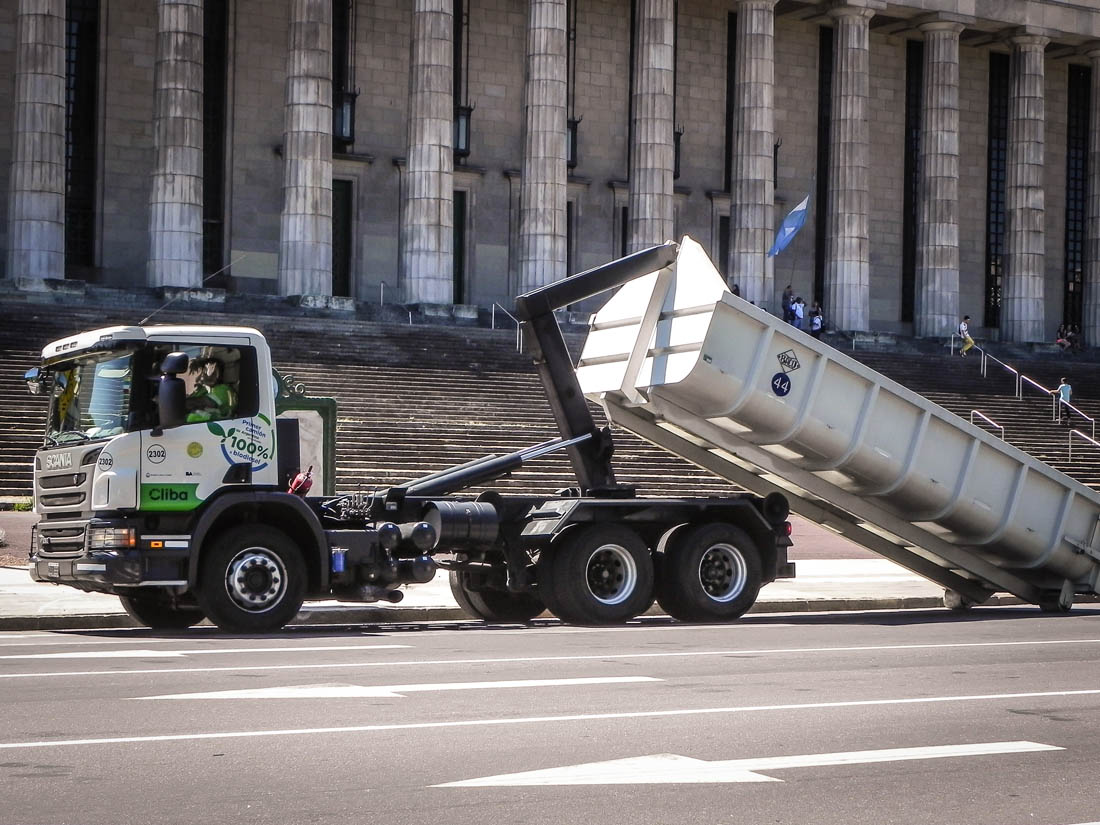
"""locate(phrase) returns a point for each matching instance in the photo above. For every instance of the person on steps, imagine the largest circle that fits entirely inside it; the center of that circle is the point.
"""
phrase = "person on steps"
(964, 333)
(1064, 392)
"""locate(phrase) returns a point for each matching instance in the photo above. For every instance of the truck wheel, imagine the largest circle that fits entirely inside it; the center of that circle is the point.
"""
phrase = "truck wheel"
(159, 613)
(1053, 602)
(602, 574)
(710, 573)
(252, 580)
(956, 602)
(493, 605)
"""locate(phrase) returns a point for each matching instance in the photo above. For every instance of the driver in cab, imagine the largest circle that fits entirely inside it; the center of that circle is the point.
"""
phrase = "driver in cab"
(211, 399)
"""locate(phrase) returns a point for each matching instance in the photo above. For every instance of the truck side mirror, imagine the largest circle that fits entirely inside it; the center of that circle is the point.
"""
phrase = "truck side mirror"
(36, 381)
(174, 363)
(171, 394)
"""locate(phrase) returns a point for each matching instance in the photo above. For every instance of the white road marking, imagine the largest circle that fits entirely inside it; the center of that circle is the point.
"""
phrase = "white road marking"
(541, 720)
(742, 652)
(79, 641)
(633, 626)
(58, 640)
(169, 654)
(377, 691)
(671, 769)
(100, 654)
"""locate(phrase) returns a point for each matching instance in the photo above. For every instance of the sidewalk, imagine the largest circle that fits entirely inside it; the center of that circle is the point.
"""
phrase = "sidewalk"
(849, 584)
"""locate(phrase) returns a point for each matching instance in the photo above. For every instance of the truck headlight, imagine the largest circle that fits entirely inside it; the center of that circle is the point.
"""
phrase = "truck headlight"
(102, 538)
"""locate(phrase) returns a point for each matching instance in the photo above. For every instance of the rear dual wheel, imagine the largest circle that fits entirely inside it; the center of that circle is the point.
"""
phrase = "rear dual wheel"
(493, 605)
(599, 574)
(709, 573)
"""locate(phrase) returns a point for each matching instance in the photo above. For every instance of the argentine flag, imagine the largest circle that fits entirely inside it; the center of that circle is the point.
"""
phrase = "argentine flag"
(790, 226)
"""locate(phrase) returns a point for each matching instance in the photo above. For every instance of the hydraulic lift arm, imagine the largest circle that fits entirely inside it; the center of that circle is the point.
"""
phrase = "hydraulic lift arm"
(591, 458)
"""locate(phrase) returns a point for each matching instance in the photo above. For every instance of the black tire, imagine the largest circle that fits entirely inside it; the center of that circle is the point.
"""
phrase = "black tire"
(956, 602)
(1053, 605)
(601, 574)
(159, 613)
(710, 573)
(493, 605)
(252, 580)
(1052, 601)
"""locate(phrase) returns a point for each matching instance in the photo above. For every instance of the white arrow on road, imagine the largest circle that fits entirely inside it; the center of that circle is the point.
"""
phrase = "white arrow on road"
(337, 691)
(669, 768)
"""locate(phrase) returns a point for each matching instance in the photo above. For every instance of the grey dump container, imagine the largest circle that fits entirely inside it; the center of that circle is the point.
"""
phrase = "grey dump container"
(676, 358)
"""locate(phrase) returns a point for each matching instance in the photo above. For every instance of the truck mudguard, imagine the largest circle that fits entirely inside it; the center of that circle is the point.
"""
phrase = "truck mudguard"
(291, 507)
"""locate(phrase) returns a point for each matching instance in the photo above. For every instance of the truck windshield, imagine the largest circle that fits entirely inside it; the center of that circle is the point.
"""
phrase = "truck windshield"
(90, 398)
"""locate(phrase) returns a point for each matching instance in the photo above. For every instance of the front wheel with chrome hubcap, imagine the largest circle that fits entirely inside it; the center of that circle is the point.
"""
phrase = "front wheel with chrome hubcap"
(253, 580)
(710, 573)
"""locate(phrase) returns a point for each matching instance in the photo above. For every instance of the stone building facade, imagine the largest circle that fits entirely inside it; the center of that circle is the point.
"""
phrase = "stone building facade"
(460, 151)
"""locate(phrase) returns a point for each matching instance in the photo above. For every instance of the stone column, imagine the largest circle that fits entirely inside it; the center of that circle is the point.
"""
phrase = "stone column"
(847, 255)
(36, 204)
(305, 230)
(752, 188)
(1091, 326)
(937, 298)
(427, 236)
(175, 203)
(542, 229)
(1022, 312)
(649, 204)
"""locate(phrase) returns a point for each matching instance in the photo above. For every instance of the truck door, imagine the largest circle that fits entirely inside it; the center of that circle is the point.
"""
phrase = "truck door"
(225, 440)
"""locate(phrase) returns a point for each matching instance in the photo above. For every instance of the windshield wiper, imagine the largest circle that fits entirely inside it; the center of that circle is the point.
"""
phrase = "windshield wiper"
(79, 437)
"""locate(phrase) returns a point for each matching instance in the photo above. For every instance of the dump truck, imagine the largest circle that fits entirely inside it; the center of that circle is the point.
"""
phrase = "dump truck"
(170, 474)
(177, 471)
(677, 359)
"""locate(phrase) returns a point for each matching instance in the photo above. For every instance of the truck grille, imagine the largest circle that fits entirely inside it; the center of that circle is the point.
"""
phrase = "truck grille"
(63, 497)
(63, 500)
(67, 480)
(59, 542)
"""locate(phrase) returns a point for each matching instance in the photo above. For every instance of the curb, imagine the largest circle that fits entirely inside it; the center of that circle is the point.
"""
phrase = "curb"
(354, 615)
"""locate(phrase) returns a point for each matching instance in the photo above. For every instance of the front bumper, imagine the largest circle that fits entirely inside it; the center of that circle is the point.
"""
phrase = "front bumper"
(113, 571)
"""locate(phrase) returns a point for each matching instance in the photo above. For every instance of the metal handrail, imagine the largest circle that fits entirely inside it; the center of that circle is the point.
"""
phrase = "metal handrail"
(515, 320)
(1021, 379)
(497, 306)
(988, 420)
(954, 335)
(987, 357)
(1088, 418)
(1080, 434)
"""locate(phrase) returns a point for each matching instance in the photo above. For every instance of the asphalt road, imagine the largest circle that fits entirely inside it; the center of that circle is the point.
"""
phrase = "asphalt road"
(878, 718)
